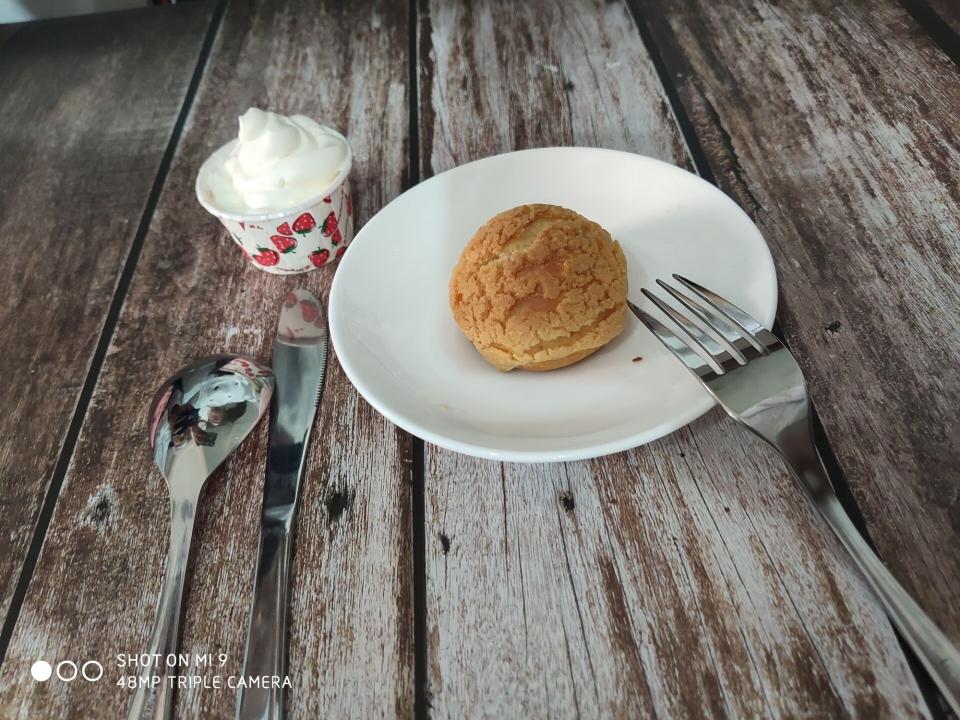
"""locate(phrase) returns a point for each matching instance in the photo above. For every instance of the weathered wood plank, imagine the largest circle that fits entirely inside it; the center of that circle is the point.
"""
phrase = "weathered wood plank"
(98, 576)
(844, 146)
(687, 578)
(87, 107)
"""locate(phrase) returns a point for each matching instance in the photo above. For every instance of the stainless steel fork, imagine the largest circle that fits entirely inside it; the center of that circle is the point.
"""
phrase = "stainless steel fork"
(758, 382)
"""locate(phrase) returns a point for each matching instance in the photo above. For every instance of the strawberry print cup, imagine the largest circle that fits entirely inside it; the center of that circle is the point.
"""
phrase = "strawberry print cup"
(311, 235)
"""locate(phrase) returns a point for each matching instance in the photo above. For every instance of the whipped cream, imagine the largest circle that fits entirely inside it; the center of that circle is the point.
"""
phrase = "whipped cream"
(275, 163)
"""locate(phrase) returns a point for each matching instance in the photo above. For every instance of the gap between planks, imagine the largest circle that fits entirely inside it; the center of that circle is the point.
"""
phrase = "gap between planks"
(421, 700)
(948, 40)
(103, 343)
(513, 134)
(941, 23)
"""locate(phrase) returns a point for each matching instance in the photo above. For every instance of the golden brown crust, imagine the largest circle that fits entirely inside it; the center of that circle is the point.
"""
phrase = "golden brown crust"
(539, 287)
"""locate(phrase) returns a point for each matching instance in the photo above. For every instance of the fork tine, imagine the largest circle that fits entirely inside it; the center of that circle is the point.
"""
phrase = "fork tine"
(743, 349)
(717, 356)
(674, 344)
(762, 339)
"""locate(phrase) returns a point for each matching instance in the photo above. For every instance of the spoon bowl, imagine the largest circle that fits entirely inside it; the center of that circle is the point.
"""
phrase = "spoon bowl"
(201, 414)
(197, 418)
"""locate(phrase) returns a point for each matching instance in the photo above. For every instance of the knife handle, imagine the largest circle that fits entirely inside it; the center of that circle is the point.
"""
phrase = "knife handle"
(266, 653)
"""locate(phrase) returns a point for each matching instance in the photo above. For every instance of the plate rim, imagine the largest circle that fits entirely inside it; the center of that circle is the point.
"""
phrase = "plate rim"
(578, 452)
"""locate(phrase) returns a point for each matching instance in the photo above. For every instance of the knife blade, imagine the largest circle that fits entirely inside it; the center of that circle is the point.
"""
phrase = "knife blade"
(299, 366)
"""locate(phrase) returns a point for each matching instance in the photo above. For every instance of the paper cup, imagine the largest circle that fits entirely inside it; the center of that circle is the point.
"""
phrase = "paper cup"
(311, 235)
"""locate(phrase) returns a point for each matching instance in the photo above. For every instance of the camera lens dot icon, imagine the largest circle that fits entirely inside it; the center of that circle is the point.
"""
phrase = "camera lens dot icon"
(41, 671)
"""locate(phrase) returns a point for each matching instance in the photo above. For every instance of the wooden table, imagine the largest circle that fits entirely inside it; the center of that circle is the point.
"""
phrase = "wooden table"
(687, 578)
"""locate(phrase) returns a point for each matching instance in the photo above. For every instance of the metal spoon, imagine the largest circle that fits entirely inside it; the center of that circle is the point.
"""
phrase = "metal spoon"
(197, 418)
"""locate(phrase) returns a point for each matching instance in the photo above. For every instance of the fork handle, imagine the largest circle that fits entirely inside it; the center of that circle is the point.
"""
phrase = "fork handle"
(938, 655)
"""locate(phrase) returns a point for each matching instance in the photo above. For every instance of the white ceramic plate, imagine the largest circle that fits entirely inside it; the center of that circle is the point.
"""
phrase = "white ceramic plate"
(397, 342)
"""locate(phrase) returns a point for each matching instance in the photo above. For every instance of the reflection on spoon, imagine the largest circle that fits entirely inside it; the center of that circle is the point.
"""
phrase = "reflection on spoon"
(198, 417)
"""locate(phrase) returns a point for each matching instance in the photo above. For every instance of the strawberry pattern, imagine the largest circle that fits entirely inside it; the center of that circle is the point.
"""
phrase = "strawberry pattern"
(304, 224)
(247, 367)
(266, 257)
(283, 243)
(261, 376)
(301, 241)
(329, 224)
(309, 310)
(302, 315)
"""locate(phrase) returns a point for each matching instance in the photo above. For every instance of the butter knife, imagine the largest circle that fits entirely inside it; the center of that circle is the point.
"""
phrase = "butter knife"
(299, 365)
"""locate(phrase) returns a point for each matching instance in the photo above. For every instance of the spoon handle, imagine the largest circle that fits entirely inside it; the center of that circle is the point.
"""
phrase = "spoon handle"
(154, 683)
